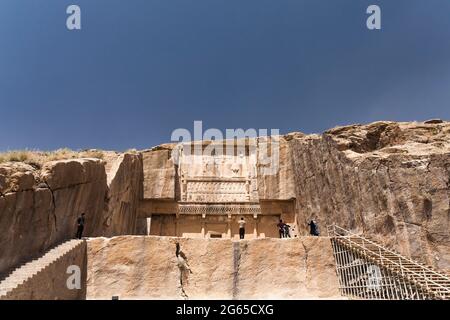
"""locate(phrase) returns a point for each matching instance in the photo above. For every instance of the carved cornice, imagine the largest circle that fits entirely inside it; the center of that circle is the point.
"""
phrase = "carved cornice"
(234, 209)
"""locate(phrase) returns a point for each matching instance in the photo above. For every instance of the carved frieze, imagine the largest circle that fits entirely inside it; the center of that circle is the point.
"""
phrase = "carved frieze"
(219, 209)
(217, 191)
(218, 178)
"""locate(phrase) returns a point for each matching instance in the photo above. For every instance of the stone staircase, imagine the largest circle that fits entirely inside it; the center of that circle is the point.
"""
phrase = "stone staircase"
(18, 277)
(370, 271)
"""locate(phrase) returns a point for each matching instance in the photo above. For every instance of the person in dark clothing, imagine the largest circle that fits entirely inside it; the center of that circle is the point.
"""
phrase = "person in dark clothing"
(280, 226)
(80, 226)
(241, 228)
(313, 228)
(286, 232)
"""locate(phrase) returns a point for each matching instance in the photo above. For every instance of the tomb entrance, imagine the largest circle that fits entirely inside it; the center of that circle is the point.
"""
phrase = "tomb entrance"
(213, 191)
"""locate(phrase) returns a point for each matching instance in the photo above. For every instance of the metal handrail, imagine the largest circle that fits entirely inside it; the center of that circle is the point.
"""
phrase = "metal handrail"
(402, 268)
(390, 251)
(348, 234)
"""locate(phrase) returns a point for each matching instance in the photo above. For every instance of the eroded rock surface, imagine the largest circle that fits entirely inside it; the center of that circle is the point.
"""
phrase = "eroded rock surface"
(280, 185)
(159, 174)
(389, 180)
(124, 190)
(39, 208)
(148, 267)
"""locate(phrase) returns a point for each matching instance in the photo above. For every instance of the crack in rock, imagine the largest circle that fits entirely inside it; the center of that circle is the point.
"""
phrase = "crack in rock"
(237, 255)
(305, 259)
(54, 205)
(184, 269)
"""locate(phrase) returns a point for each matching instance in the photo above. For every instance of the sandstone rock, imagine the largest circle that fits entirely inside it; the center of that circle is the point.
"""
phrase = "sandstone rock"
(64, 173)
(147, 268)
(46, 278)
(16, 176)
(39, 209)
(33, 219)
(280, 184)
(161, 180)
(301, 268)
(132, 267)
(22, 181)
(124, 180)
(159, 174)
(388, 180)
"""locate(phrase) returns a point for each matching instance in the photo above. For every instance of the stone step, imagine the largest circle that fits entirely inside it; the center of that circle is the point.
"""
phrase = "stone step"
(28, 270)
(50, 255)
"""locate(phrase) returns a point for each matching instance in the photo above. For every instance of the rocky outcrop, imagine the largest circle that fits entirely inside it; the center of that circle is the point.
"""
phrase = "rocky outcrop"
(15, 177)
(124, 190)
(389, 180)
(153, 268)
(77, 186)
(38, 209)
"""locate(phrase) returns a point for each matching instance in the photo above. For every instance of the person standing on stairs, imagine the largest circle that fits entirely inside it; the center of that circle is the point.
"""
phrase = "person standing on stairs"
(80, 226)
(241, 228)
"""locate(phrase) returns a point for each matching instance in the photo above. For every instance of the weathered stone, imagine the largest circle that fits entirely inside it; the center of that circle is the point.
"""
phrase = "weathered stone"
(388, 180)
(39, 209)
(124, 178)
(16, 176)
(279, 185)
(22, 181)
(159, 174)
(47, 279)
(65, 173)
(34, 219)
(147, 267)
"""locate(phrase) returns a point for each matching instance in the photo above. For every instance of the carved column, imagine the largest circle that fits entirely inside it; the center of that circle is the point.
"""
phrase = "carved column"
(229, 227)
(255, 228)
(176, 225)
(149, 224)
(203, 224)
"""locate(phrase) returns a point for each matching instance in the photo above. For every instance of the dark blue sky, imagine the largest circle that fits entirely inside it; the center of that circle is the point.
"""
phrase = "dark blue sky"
(139, 69)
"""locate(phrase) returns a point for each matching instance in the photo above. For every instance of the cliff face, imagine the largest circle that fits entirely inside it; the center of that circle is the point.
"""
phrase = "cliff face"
(158, 174)
(278, 186)
(77, 186)
(39, 208)
(388, 180)
(147, 267)
(124, 190)
(160, 180)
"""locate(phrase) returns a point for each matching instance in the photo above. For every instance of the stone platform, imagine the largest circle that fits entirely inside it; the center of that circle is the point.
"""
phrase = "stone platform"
(147, 267)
